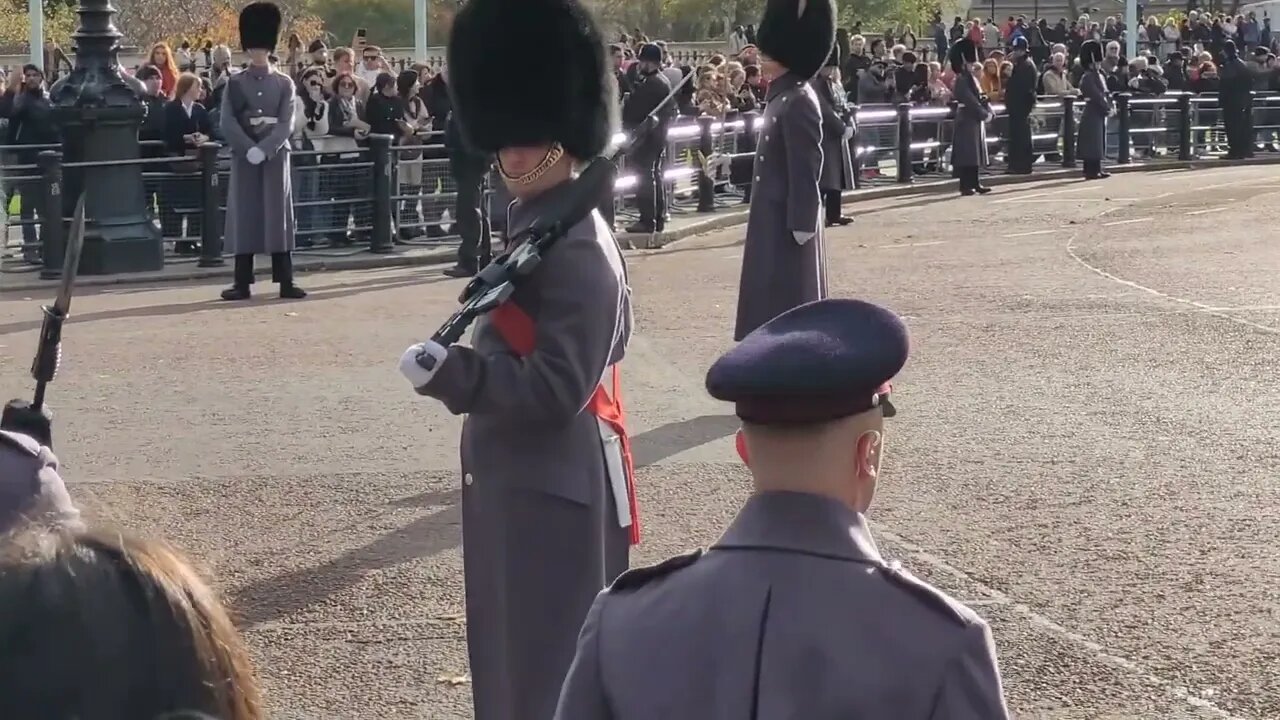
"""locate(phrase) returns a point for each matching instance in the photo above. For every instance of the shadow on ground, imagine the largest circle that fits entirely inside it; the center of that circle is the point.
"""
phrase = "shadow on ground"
(278, 597)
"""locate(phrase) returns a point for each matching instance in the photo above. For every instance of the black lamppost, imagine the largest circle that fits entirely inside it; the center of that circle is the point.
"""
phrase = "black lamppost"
(99, 109)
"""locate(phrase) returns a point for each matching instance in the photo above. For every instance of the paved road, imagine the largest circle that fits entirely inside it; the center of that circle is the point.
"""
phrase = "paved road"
(1085, 450)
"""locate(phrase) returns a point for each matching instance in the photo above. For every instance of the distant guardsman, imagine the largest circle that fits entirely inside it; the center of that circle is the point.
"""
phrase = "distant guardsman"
(548, 502)
(837, 131)
(1235, 96)
(1091, 144)
(783, 260)
(973, 110)
(257, 120)
(645, 153)
(793, 613)
(1020, 100)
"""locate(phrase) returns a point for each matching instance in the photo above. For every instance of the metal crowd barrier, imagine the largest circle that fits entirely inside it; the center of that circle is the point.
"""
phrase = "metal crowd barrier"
(378, 196)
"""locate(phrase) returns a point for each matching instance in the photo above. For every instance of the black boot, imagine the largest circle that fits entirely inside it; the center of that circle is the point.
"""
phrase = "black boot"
(282, 273)
(976, 182)
(966, 189)
(243, 279)
(461, 271)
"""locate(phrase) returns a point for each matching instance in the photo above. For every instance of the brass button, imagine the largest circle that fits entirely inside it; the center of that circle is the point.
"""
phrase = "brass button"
(467, 479)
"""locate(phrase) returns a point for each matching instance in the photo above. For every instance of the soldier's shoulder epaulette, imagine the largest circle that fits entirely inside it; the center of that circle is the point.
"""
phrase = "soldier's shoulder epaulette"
(931, 596)
(20, 442)
(637, 577)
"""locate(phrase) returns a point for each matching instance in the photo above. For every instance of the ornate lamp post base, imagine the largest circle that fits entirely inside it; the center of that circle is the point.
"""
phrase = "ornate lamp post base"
(99, 110)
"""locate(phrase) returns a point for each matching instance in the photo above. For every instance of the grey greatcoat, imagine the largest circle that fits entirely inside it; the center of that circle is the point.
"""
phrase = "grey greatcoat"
(837, 160)
(779, 273)
(257, 110)
(792, 614)
(972, 112)
(1092, 142)
(541, 532)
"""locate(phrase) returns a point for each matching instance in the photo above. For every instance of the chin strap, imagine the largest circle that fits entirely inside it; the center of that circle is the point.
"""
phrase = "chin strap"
(554, 153)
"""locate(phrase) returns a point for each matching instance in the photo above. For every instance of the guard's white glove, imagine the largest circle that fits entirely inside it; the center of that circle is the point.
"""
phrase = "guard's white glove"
(255, 156)
(412, 367)
(848, 133)
(801, 236)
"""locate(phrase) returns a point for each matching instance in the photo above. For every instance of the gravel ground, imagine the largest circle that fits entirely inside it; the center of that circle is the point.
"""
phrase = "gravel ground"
(1085, 449)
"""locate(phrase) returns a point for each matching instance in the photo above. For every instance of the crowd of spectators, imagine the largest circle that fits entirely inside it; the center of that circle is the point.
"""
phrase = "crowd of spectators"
(1173, 53)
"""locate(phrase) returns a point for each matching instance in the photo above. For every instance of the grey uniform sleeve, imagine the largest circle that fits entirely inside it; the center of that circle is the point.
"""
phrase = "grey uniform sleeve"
(30, 486)
(970, 688)
(582, 696)
(284, 126)
(230, 124)
(1095, 93)
(575, 328)
(802, 132)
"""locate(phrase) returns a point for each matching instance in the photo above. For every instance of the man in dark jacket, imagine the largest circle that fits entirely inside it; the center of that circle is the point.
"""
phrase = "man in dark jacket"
(469, 169)
(1235, 96)
(1020, 99)
(648, 148)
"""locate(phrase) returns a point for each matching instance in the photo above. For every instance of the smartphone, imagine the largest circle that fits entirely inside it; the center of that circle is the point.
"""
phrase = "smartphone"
(361, 35)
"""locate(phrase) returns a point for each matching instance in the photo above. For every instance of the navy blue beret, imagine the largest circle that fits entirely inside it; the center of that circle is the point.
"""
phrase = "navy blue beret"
(815, 363)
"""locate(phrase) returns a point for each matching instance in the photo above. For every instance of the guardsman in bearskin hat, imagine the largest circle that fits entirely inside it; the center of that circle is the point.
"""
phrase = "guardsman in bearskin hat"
(548, 502)
(783, 259)
(257, 120)
(793, 613)
(837, 132)
(973, 110)
(1091, 146)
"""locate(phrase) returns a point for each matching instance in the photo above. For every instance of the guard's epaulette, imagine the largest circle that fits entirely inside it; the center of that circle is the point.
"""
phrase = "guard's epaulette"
(20, 442)
(636, 577)
(930, 595)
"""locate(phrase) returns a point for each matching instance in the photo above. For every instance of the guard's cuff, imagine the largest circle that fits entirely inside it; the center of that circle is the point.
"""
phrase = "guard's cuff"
(414, 362)
(801, 236)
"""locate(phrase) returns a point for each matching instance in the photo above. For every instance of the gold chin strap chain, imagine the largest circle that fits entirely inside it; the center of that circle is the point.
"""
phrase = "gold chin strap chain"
(552, 157)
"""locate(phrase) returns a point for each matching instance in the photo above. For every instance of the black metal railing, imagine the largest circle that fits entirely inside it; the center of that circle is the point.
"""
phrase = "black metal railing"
(376, 196)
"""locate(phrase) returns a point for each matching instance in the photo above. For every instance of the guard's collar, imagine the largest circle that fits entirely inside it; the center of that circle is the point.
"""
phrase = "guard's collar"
(786, 81)
(801, 523)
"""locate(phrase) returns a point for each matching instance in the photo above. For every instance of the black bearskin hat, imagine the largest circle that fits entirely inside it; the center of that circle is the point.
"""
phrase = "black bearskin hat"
(1090, 53)
(963, 53)
(833, 60)
(799, 34)
(260, 26)
(574, 104)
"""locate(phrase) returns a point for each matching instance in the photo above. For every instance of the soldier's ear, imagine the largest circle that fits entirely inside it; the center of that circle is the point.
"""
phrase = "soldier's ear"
(741, 442)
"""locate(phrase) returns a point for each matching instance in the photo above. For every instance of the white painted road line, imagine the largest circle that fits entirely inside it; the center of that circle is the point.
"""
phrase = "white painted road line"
(1096, 650)
(1033, 232)
(1126, 222)
(909, 245)
(1206, 309)
(1206, 212)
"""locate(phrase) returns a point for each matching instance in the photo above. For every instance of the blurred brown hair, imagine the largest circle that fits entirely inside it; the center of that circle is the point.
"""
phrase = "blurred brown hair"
(98, 625)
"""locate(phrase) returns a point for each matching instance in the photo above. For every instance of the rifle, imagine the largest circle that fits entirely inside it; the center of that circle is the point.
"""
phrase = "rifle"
(32, 418)
(49, 352)
(495, 283)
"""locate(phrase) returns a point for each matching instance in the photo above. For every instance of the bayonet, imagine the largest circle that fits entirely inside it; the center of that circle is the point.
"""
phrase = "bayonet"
(49, 352)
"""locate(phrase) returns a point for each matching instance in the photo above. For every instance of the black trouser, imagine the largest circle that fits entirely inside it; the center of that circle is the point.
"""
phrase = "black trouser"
(281, 269)
(651, 191)
(472, 212)
(181, 197)
(831, 203)
(1235, 121)
(1020, 157)
(1092, 168)
(968, 178)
